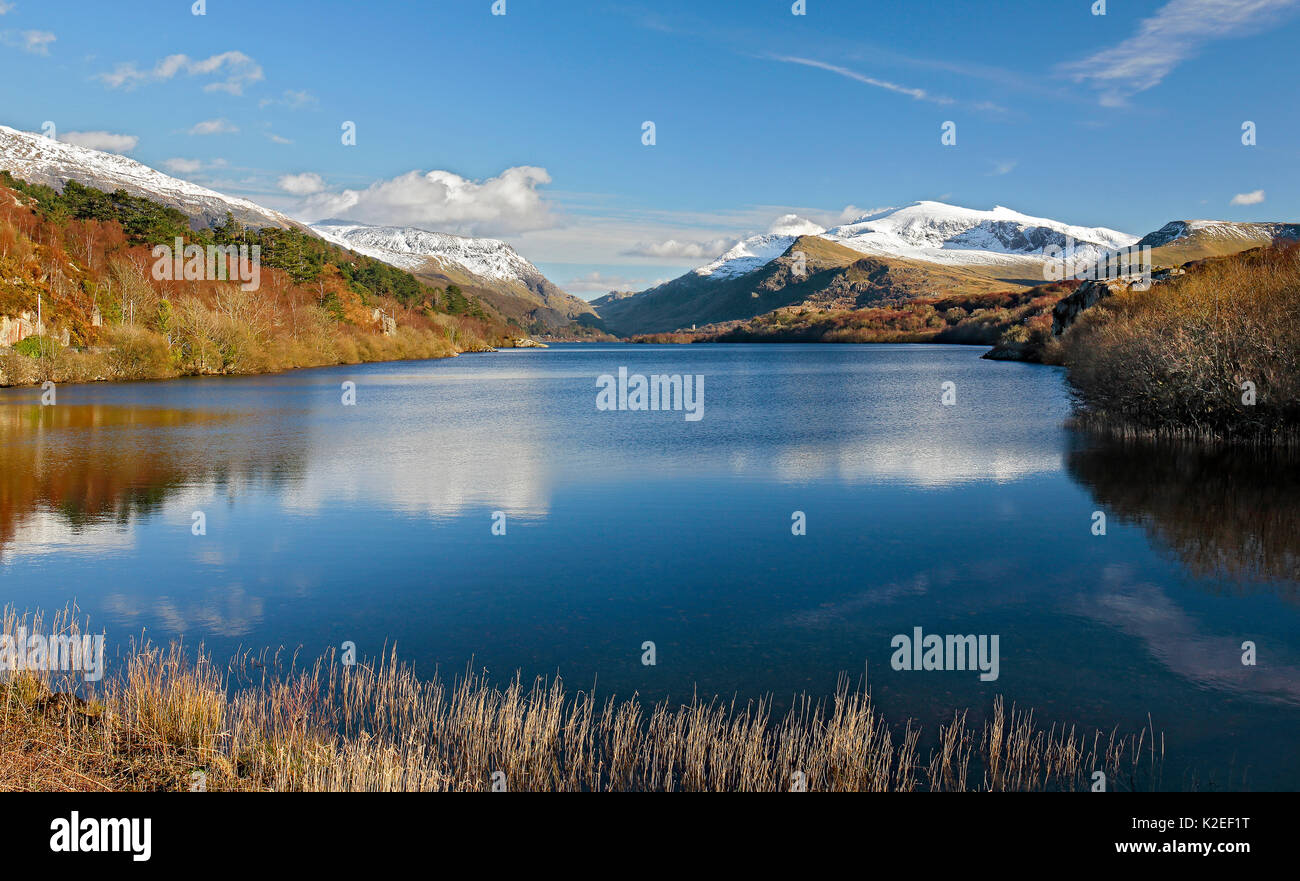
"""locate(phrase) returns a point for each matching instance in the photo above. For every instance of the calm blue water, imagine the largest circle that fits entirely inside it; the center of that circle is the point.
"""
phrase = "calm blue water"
(373, 524)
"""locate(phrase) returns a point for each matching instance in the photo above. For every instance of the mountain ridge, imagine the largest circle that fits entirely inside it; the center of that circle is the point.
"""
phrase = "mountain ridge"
(919, 250)
(41, 160)
(489, 268)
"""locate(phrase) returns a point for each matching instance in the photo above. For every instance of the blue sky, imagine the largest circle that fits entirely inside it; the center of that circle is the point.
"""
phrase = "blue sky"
(531, 122)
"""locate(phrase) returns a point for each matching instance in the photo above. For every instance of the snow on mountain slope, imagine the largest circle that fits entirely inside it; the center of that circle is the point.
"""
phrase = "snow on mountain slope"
(517, 287)
(751, 253)
(933, 232)
(1222, 230)
(40, 160)
(410, 248)
(951, 235)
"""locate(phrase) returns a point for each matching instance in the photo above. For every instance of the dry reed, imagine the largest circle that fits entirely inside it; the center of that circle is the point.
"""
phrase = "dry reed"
(171, 720)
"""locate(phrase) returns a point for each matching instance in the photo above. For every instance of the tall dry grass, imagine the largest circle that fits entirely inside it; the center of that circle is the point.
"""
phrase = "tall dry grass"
(168, 715)
(1173, 361)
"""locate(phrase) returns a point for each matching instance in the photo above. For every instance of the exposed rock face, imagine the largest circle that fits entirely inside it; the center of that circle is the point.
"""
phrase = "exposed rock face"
(15, 330)
(1087, 295)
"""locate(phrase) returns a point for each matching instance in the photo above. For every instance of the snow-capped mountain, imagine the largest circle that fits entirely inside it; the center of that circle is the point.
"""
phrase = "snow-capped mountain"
(485, 268)
(491, 267)
(1220, 230)
(936, 232)
(41, 160)
(410, 248)
(933, 232)
(892, 254)
(751, 253)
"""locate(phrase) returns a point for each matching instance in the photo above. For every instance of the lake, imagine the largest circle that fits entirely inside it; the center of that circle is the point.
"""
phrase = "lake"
(374, 524)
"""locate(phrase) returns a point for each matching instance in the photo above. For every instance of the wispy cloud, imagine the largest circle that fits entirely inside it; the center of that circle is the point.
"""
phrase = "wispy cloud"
(6, 7)
(1001, 168)
(236, 70)
(35, 42)
(214, 127)
(1252, 198)
(182, 166)
(681, 250)
(598, 282)
(1175, 33)
(916, 94)
(294, 99)
(106, 141)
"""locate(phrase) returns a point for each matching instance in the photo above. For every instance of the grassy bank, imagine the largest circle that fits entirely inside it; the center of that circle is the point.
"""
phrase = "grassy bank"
(1009, 319)
(77, 269)
(168, 714)
(1210, 355)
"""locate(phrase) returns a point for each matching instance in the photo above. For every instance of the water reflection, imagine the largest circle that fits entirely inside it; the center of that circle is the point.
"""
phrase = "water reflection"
(1230, 514)
(72, 478)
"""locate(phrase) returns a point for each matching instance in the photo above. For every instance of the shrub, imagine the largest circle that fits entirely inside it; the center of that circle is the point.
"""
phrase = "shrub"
(1177, 359)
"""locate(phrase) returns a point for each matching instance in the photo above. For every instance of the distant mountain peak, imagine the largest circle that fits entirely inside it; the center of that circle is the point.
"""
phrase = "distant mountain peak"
(1223, 230)
(498, 273)
(410, 247)
(41, 160)
(937, 232)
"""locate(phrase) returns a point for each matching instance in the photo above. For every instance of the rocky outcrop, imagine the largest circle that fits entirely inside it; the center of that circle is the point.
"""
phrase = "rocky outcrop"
(1087, 295)
(15, 330)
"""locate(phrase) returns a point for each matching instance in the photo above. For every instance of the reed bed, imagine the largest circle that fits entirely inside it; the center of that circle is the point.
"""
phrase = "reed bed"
(169, 719)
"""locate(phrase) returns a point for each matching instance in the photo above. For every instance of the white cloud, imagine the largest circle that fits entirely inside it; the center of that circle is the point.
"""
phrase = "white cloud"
(709, 249)
(236, 69)
(1251, 198)
(441, 200)
(36, 42)
(6, 7)
(302, 184)
(794, 225)
(1175, 33)
(1001, 168)
(182, 166)
(600, 283)
(277, 139)
(675, 249)
(214, 127)
(106, 141)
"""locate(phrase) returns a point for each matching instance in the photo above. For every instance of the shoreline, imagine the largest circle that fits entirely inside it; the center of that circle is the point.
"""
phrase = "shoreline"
(484, 351)
(169, 720)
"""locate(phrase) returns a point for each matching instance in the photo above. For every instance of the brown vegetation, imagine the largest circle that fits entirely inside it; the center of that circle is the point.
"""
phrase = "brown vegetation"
(1008, 318)
(1181, 359)
(1230, 514)
(168, 717)
(154, 329)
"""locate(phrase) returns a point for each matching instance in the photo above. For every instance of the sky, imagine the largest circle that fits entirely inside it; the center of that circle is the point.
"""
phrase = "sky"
(530, 125)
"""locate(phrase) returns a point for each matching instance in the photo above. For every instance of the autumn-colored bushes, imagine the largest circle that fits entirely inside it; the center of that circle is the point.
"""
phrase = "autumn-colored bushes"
(91, 282)
(976, 319)
(1214, 353)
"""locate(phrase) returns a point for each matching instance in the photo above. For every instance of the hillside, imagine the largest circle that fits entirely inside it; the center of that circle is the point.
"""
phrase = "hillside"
(40, 160)
(1182, 241)
(1210, 353)
(926, 249)
(80, 300)
(486, 271)
(835, 277)
(489, 270)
